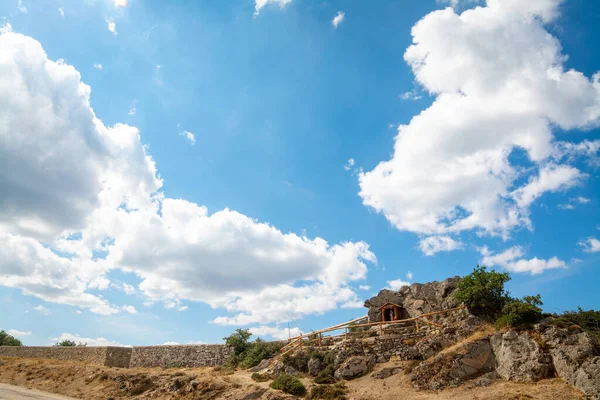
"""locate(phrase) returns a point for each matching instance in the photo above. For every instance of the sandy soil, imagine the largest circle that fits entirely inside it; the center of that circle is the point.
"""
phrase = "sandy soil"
(89, 382)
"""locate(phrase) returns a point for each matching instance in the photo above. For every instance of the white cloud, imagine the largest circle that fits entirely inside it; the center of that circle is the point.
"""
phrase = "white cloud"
(276, 333)
(98, 66)
(170, 344)
(189, 136)
(566, 206)
(456, 3)
(42, 310)
(434, 244)
(397, 284)
(129, 309)
(511, 261)
(21, 7)
(551, 178)
(18, 334)
(576, 200)
(364, 287)
(414, 95)
(500, 84)
(111, 25)
(338, 19)
(349, 164)
(90, 342)
(61, 11)
(120, 3)
(590, 245)
(7, 27)
(82, 188)
(259, 4)
(409, 276)
(124, 287)
(132, 111)
(588, 149)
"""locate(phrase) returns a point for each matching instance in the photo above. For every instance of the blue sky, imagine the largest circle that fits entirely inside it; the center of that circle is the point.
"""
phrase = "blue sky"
(173, 171)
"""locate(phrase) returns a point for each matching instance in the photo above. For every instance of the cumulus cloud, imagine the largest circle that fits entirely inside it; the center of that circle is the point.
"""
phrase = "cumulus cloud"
(90, 342)
(511, 260)
(259, 4)
(111, 25)
(18, 334)
(500, 85)
(397, 284)
(434, 244)
(276, 333)
(590, 245)
(338, 19)
(81, 188)
(572, 201)
(189, 136)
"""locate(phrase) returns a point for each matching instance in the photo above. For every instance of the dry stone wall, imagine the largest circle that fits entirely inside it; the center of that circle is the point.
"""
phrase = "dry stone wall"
(204, 355)
(127, 357)
(107, 356)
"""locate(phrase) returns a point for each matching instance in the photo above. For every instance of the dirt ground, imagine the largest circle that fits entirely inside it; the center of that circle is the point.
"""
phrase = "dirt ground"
(89, 382)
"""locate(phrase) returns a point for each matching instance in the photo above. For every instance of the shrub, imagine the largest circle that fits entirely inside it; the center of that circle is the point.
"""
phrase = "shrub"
(289, 384)
(588, 320)
(298, 361)
(325, 376)
(521, 312)
(483, 292)
(248, 354)
(260, 377)
(329, 392)
(9, 340)
(69, 343)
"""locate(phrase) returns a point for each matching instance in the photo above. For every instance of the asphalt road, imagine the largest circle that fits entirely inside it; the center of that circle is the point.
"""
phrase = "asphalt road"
(9, 392)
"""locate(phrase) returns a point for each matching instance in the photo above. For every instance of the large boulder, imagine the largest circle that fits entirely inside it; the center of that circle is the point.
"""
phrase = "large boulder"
(355, 367)
(576, 358)
(519, 357)
(314, 366)
(452, 368)
(383, 297)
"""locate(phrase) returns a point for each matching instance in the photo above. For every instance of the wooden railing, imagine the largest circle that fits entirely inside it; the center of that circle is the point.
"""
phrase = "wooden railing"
(298, 341)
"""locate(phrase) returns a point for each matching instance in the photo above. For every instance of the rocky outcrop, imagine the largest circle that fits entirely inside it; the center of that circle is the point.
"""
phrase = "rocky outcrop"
(519, 357)
(576, 358)
(452, 368)
(314, 366)
(355, 367)
(386, 372)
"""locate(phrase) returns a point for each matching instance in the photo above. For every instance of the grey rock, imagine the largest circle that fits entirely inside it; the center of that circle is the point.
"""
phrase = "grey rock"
(485, 380)
(519, 357)
(264, 364)
(576, 358)
(314, 366)
(386, 372)
(355, 367)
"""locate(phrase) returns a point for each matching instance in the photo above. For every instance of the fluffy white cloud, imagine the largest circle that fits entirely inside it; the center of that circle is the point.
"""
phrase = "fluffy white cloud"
(397, 284)
(434, 244)
(18, 334)
(42, 310)
(259, 4)
(409, 276)
(511, 261)
(338, 19)
(189, 136)
(111, 25)
(456, 3)
(551, 178)
(81, 188)
(576, 200)
(90, 342)
(589, 149)
(590, 245)
(275, 332)
(61, 11)
(364, 287)
(500, 84)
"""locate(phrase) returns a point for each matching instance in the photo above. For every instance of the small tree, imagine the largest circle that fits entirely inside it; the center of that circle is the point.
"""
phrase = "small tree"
(239, 341)
(521, 312)
(483, 292)
(69, 343)
(9, 340)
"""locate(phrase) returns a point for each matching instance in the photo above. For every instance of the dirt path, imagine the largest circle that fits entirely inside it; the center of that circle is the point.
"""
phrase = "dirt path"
(9, 392)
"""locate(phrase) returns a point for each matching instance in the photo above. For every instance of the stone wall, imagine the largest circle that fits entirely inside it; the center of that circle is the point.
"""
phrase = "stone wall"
(127, 357)
(204, 355)
(107, 356)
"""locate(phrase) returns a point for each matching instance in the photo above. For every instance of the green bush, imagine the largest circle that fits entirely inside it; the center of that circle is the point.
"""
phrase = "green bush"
(9, 340)
(588, 320)
(521, 312)
(289, 384)
(260, 377)
(248, 354)
(483, 292)
(298, 361)
(329, 392)
(325, 376)
(69, 343)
